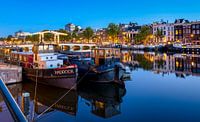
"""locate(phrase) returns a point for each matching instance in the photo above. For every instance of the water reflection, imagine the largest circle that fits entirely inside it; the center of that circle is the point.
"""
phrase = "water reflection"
(48, 95)
(105, 99)
(181, 64)
(5, 115)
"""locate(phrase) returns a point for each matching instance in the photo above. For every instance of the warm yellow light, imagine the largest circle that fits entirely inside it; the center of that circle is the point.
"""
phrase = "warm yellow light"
(192, 63)
(165, 56)
(177, 63)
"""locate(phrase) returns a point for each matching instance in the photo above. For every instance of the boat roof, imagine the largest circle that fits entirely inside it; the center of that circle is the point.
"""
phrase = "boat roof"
(23, 53)
(106, 48)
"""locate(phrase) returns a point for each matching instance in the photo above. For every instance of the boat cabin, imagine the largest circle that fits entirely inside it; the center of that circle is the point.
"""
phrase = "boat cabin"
(46, 56)
(104, 56)
(24, 59)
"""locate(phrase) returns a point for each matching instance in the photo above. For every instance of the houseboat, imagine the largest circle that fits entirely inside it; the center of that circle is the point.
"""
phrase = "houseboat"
(103, 65)
(43, 65)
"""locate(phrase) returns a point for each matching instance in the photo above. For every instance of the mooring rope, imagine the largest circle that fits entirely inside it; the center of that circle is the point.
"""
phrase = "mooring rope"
(63, 95)
(35, 94)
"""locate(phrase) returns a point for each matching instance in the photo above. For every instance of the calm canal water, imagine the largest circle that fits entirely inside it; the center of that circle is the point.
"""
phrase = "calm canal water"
(162, 88)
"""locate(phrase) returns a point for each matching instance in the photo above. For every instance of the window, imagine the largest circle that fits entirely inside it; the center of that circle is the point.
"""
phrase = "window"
(51, 57)
(193, 26)
(51, 65)
(197, 26)
(198, 32)
(46, 57)
(193, 32)
(58, 65)
(180, 31)
(176, 32)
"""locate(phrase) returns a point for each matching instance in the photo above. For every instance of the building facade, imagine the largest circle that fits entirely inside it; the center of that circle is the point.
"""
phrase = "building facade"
(195, 32)
(70, 27)
(181, 30)
(166, 32)
(22, 35)
(130, 31)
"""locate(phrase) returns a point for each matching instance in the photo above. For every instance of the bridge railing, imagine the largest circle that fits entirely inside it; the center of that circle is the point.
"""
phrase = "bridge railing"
(14, 109)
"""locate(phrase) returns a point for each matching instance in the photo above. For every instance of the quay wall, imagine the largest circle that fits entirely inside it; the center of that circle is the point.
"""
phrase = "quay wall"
(10, 73)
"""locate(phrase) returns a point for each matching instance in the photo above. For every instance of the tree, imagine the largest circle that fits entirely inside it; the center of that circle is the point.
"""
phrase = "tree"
(62, 31)
(63, 37)
(88, 33)
(32, 38)
(49, 37)
(2, 39)
(29, 38)
(113, 31)
(9, 38)
(143, 35)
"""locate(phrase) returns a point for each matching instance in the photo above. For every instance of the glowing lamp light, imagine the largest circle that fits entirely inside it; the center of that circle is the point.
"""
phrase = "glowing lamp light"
(192, 63)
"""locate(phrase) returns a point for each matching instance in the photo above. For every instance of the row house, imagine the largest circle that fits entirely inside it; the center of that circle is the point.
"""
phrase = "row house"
(195, 32)
(130, 31)
(181, 30)
(187, 32)
(167, 32)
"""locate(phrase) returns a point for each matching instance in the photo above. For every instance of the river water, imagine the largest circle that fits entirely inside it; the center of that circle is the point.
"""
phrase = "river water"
(162, 88)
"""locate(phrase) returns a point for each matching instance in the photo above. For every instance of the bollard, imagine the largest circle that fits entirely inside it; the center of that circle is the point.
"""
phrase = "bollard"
(26, 103)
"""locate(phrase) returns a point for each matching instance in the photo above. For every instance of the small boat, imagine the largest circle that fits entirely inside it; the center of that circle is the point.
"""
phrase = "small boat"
(43, 65)
(103, 65)
(127, 74)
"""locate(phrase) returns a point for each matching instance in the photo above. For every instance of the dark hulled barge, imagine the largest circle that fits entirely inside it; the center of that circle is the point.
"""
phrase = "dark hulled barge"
(42, 65)
(103, 65)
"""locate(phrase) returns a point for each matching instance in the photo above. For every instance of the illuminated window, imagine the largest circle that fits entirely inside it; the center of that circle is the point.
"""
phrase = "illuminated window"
(176, 32)
(180, 31)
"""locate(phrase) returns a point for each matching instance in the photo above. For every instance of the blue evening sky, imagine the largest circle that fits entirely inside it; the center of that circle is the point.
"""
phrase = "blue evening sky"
(36, 15)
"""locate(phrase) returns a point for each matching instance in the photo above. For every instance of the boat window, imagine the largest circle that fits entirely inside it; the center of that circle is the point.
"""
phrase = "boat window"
(58, 65)
(51, 57)
(51, 65)
(108, 53)
(101, 53)
(51, 47)
(46, 47)
(40, 48)
(46, 57)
